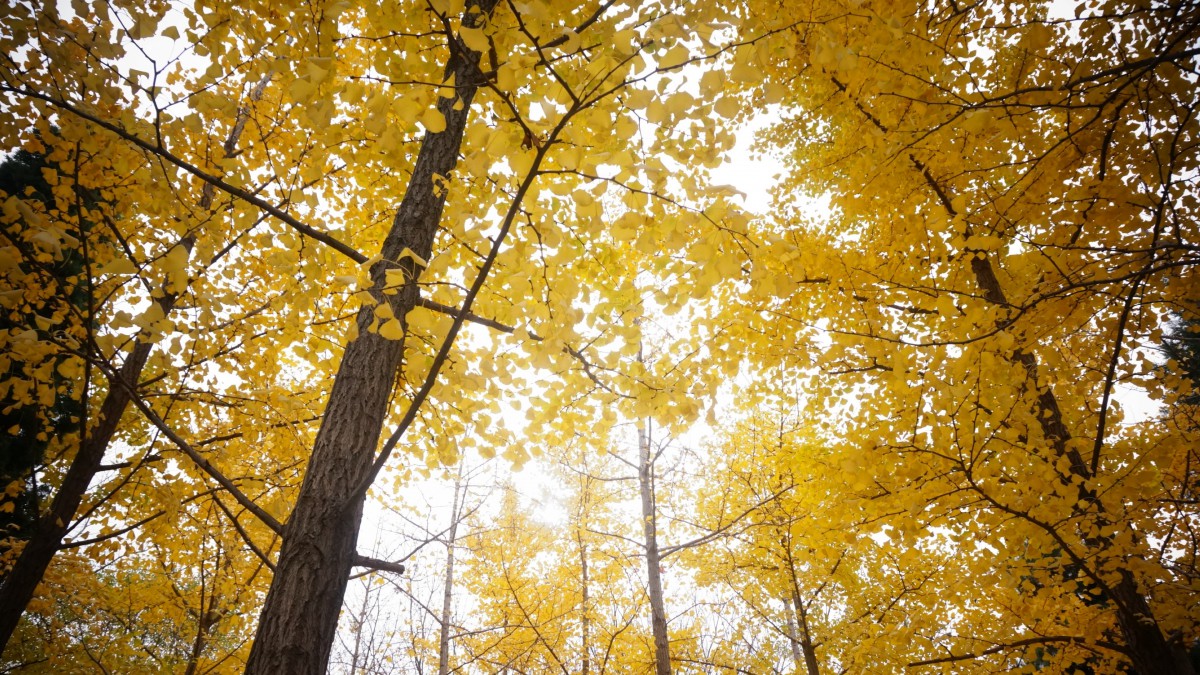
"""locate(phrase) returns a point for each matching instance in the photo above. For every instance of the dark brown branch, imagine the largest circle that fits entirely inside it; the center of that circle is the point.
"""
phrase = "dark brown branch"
(378, 565)
(1054, 639)
(199, 460)
(109, 535)
(453, 312)
(281, 215)
(244, 535)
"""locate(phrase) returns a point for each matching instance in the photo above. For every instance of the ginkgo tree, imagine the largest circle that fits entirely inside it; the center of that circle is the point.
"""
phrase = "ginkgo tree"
(234, 129)
(1010, 192)
(303, 239)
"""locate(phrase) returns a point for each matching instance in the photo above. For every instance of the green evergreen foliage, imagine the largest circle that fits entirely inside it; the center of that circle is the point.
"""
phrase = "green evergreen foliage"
(1181, 346)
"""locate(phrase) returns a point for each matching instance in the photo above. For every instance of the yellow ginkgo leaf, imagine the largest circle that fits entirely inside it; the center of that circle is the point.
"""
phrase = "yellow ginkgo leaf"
(474, 38)
(392, 329)
(433, 120)
(117, 266)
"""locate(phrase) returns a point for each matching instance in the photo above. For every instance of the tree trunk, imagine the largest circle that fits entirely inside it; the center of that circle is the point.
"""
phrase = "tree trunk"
(585, 626)
(1146, 645)
(1148, 648)
(204, 625)
(30, 567)
(448, 581)
(806, 644)
(299, 619)
(802, 644)
(360, 622)
(793, 637)
(658, 614)
(35, 557)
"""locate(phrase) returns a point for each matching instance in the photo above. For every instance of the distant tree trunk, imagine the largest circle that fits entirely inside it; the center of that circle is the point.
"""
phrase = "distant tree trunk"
(1146, 645)
(585, 626)
(658, 614)
(359, 623)
(793, 637)
(798, 630)
(204, 626)
(448, 581)
(299, 619)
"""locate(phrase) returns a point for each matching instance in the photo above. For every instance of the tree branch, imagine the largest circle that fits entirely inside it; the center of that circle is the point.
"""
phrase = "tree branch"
(281, 215)
(1053, 639)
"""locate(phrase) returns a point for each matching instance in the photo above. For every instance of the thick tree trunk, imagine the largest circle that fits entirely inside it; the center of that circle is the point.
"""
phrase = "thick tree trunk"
(299, 620)
(658, 614)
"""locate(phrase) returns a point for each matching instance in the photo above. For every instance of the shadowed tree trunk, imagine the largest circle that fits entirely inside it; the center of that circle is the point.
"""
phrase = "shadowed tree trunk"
(1146, 645)
(807, 648)
(47, 537)
(46, 540)
(299, 620)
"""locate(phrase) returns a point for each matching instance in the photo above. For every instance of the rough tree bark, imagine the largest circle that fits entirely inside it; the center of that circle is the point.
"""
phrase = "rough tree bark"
(299, 619)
